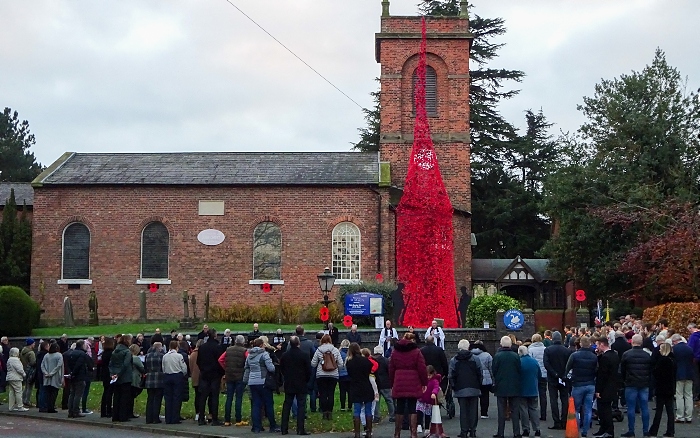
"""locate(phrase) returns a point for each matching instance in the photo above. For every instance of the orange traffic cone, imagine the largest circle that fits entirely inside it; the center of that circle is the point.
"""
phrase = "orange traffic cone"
(571, 421)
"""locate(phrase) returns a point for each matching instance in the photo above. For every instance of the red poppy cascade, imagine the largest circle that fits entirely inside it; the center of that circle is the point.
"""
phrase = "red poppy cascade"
(324, 314)
(424, 235)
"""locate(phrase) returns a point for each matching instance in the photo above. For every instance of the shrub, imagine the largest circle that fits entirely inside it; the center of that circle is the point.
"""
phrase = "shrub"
(484, 308)
(384, 289)
(19, 314)
(678, 315)
(269, 313)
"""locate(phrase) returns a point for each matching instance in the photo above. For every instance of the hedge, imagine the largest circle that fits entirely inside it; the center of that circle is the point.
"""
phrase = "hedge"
(678, 315)
(484, 308)
(19, 314)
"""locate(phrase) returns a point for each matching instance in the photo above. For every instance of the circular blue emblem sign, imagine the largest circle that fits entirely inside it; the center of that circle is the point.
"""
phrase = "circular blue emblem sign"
(513, 319)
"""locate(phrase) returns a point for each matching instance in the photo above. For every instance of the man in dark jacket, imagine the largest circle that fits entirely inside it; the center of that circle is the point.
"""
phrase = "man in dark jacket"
(606, 387)
(583, 364)
(684, 379)
(620, 345)
(334, 333)
(436, 357)
(354, 336)
(307, 347)
(255, 334)
(555, 358)
(295, 366)
(210, 373)
(635, 367)
(234, 364)
(381, 377)
(506, 376)
(77, 360)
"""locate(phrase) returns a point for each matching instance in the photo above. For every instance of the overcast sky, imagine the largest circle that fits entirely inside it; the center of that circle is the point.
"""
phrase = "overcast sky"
(146, 75)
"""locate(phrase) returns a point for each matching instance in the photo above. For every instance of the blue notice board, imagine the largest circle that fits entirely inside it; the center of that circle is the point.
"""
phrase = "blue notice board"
(364, 304)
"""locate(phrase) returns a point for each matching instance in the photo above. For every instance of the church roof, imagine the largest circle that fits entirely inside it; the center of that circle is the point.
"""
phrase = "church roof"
(24, 193)
(217, 168)
(493, 269)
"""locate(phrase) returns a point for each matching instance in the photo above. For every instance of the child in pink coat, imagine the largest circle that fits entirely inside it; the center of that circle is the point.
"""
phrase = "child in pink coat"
(424, 406)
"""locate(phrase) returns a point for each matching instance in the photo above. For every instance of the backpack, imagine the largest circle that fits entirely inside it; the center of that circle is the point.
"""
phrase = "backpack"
(329, 363)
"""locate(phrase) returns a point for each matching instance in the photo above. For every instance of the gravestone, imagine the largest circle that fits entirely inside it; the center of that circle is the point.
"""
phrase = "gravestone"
(93, 305)
(68, 319)
(142, 306)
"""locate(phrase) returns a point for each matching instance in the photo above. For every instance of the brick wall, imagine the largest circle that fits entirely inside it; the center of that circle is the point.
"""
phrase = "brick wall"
(116, 216)
(448, 44)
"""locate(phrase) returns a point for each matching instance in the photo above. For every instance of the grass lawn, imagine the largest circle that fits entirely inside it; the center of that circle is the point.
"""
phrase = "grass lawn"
(342, 421)
(165, 328)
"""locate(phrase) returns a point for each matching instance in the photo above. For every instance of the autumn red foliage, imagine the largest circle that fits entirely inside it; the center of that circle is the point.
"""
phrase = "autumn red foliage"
(424, 236)
(664, 264)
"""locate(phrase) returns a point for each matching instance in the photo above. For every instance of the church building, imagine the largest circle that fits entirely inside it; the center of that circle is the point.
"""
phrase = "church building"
(230, 222)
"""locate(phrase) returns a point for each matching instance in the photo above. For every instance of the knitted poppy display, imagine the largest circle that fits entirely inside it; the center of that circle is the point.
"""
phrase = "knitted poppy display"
(424, 242)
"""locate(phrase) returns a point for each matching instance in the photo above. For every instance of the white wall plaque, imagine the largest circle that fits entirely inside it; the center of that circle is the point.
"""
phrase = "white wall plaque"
(211, 237)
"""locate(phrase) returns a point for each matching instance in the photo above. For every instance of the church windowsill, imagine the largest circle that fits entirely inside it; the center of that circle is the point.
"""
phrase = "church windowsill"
(74, 281)
(346, 281)
(265, 281)
(153, 280)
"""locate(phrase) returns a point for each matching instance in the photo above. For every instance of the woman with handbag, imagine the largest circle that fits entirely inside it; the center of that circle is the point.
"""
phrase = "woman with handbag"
(327, 361)
(259, 375)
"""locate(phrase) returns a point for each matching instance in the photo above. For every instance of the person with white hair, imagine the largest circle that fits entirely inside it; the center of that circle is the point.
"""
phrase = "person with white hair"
(684, 379)
(465, 376)
(506, 375)
(15, 377)
(635, 367)
(530, 376)
(436, 332)
(226, 340)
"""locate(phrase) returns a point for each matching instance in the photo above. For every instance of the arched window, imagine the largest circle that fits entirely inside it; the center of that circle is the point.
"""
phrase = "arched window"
(346, 251)
(76, 252)
(155, 246)
(430, 90)
(267, 251)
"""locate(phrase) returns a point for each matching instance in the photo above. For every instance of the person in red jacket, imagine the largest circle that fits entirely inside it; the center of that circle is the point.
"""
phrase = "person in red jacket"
(409, 379)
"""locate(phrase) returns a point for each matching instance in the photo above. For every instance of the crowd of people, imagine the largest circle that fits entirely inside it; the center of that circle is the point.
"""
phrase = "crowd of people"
(616, 366)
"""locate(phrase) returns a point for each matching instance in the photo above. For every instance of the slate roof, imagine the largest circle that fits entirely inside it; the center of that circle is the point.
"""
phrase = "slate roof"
(491, 269)
(24, 193)
(217, 168)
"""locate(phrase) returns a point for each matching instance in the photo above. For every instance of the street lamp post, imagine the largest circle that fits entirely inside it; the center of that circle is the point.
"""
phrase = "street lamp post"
(325, 281)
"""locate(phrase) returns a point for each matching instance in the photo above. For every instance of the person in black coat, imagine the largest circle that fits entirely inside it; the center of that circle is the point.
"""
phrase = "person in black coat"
(436, 357)
(555, 358)
(105, 377)
(210, 373)
(295, 366)
(354, 336)
(361, 392)
(606, 386)
(664, 372)
(620, 345)
(77, 363)
(381, 377)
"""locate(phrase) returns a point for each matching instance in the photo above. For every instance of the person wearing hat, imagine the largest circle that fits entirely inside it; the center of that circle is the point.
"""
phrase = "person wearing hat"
(555, 358)
(28, 358)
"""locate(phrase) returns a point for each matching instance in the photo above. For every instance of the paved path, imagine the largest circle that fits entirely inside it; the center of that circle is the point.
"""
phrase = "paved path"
(34, 424)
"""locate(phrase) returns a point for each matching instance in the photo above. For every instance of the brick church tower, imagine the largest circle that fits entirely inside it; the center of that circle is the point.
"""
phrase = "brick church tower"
(447, 93)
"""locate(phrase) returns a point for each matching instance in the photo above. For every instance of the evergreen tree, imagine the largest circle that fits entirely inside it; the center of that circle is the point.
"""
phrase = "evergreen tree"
(369, 135)
(15, 245)
(638, 149)
(17, 163)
